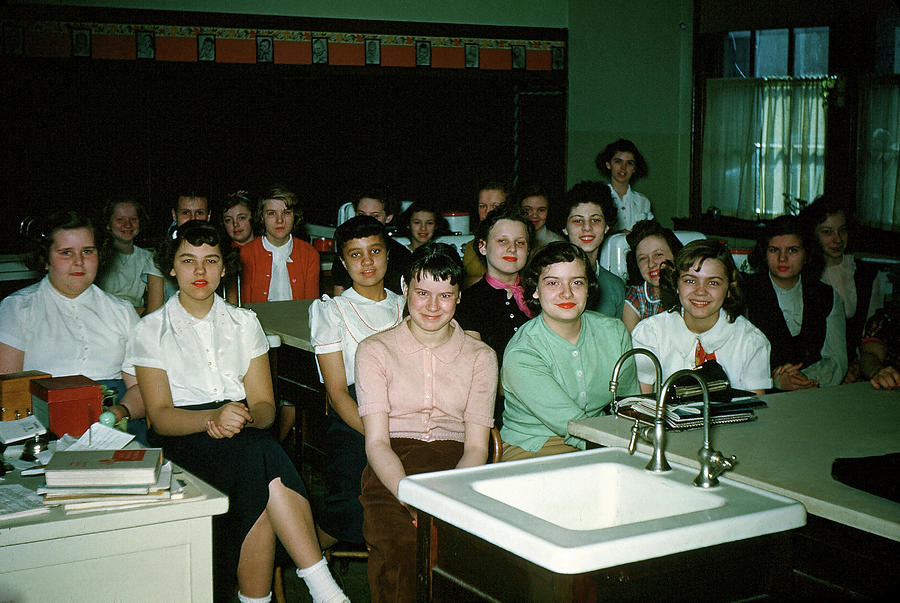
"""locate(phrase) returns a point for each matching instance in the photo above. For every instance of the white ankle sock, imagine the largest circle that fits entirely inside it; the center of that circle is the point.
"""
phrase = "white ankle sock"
(321, 585)
(245, 599)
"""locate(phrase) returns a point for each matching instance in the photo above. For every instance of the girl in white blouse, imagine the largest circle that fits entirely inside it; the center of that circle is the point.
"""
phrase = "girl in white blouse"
(202, 366)
(337, 326)
(66, 325)
(705, 324)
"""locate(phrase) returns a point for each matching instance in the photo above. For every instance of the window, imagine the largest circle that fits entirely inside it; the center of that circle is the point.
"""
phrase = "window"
(797, 52)
(878, 185)
(763, 148)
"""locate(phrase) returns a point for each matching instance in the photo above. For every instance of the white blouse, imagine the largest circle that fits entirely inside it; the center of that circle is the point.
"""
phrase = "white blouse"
(340, 323)
(741, 348)
(85, 335)
(205, 358)
(127, 277)
(633, 207)
(842, 279)
(280, 281)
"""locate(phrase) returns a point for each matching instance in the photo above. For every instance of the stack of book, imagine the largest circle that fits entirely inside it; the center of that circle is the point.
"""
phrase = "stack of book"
(96, 479)
(688, 415)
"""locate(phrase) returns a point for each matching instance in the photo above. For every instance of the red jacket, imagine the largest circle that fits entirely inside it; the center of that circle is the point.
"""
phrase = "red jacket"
(303, 270)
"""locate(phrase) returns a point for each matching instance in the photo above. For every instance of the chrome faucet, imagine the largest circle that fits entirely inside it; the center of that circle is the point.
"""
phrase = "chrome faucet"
(657, 462)
(614, 380)
(712, 462)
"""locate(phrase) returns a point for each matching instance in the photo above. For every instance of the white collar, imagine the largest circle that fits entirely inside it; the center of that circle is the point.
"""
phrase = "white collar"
(85, 297)
(711, 339)
(283, 252)
(797, 289)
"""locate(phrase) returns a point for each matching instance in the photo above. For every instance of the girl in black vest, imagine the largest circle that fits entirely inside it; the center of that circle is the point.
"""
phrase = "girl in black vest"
(801, 316)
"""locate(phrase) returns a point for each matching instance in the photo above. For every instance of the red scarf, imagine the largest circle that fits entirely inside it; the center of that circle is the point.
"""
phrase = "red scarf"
(517, 291)
(701, 356)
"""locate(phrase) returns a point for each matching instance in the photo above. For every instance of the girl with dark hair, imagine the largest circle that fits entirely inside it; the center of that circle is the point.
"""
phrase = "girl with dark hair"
(622, 163)
(422, 223)
(557, 366)
(237, 218)
(337, 325)
(705, 323)
(830, 224)
(128, 271)
(535, 203)
(802, 317)
(589, 213)
(64, 324)
(203, 368)
(426, 398)
(649, 246)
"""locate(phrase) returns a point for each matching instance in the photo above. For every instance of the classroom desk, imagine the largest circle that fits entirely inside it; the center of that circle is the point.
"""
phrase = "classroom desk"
(296, 375)
(790, 447)
(287, 319)
(161, 552)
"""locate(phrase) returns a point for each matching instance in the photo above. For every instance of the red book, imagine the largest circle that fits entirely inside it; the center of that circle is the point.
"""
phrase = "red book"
(104, 467)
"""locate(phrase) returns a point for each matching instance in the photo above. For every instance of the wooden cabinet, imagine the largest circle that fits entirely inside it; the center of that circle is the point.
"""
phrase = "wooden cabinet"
(453, 565)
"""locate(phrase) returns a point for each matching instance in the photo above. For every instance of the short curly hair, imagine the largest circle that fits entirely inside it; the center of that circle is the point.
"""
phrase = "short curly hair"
(197, 233)
(557, 252)
(640, 231)
(697, 252)
(641, 169)
(357, 227)
(43, 232)
(589, 191)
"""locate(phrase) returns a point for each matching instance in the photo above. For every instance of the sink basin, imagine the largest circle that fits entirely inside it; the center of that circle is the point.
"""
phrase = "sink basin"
(584, 511)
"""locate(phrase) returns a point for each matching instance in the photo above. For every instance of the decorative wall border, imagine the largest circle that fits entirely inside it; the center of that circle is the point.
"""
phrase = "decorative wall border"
(43, 38)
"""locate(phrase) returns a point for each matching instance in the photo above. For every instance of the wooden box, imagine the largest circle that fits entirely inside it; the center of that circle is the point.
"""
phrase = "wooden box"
(15, 395)
(66, 404)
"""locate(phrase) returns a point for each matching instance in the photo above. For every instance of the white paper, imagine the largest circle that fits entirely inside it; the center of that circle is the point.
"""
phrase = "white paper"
(101, 437)
(20, 429)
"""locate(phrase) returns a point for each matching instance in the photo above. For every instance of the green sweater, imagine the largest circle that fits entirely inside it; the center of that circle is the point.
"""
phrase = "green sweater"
(548, 381)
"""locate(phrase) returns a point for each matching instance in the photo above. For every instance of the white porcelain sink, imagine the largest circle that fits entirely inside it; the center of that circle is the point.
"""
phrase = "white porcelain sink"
(583, 511)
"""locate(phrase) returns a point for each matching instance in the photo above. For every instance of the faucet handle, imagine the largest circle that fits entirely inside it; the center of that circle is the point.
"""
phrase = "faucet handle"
(632, 443)
(719, 463)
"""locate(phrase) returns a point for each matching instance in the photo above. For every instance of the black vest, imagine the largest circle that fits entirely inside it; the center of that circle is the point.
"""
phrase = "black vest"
(764, 312)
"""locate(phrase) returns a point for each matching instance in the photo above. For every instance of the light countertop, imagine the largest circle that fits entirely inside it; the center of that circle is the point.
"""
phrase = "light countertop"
(790, 447)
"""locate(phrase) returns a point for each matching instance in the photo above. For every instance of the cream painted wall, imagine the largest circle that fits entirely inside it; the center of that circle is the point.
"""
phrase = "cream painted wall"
(630, 77)
(630, 68)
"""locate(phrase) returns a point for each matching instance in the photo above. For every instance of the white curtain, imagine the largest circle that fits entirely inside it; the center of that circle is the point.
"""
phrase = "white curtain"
(878, 185)
(763, 145)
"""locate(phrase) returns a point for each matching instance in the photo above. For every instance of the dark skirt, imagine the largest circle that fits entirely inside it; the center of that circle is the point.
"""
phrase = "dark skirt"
(345, 450)
(387, 525)
(242, 467)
